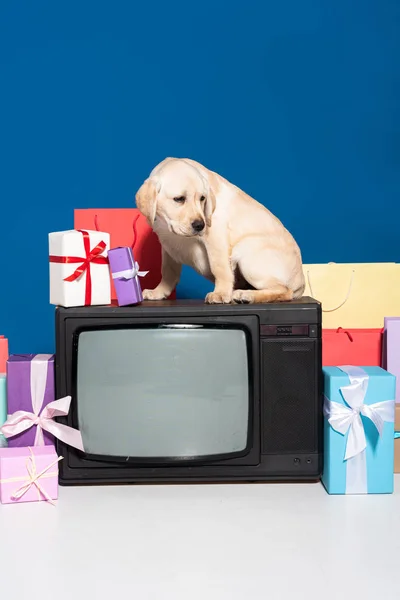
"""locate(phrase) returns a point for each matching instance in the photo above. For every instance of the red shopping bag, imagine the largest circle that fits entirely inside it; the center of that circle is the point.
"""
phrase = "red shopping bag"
(3, 353)
(127, 227)
(359, 347)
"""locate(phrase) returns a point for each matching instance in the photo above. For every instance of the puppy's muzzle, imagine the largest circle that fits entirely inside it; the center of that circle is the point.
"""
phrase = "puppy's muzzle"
(198, 225)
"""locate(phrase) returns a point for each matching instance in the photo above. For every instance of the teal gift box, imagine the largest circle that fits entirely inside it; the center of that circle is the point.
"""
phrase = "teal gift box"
(359, 408)
(3, 407)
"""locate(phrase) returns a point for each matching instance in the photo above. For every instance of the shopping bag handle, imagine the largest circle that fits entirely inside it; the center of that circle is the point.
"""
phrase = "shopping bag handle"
(97, 228)
(340, 330)
(344, 301)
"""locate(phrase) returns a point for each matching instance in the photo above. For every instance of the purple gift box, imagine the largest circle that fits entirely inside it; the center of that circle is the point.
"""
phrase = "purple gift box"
(30, 387)
(125, 274)
(391, 350)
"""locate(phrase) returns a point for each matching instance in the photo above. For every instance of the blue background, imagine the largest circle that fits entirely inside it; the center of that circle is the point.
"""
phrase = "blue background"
(297, 103)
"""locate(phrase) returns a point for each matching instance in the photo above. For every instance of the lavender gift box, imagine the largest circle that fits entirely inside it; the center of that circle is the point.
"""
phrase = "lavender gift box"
(391, 350)
(125, 274)
(30, 387)
(28, 474)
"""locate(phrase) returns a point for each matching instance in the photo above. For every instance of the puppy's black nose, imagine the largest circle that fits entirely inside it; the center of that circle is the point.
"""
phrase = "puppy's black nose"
(198, 225)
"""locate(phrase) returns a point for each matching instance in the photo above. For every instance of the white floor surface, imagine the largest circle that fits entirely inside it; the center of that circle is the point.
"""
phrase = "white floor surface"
(222, 542)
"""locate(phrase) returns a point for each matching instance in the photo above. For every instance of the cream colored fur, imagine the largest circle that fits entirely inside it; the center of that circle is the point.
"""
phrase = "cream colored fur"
(244, 249)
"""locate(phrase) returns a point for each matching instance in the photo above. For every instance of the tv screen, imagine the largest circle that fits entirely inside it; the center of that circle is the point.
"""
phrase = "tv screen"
(163, 392)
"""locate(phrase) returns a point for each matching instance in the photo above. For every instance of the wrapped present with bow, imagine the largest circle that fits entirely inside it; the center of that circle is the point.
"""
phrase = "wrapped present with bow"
(125, 273)
(359, 409)
(32, 407)
(28, 474)
(79, 272)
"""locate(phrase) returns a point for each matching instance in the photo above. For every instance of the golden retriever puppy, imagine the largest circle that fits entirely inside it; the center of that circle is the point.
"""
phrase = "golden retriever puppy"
(204, 221)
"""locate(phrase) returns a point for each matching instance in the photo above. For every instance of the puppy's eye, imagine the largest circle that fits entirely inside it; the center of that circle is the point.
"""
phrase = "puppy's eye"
(202, 199)
(180, 199)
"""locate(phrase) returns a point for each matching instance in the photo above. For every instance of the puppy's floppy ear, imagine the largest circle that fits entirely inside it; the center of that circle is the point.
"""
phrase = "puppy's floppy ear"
(146, 200)
(209, 207)
(211, 201)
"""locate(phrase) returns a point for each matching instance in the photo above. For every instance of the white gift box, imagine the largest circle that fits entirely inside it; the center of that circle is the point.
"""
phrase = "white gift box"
(79, 271)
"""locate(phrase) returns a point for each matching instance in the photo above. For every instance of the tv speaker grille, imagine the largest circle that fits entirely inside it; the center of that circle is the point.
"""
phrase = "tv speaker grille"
(289, 397)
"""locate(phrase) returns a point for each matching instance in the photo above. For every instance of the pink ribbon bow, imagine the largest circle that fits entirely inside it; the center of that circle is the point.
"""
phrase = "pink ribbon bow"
(22, 420)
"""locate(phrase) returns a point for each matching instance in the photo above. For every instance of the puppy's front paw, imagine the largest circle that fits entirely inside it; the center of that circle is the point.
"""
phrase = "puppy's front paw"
(155, 294)
(243, 296)
(219, 298)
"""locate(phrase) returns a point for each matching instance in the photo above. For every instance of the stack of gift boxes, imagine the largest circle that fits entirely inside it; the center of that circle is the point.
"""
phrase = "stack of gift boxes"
(83, 271)
(29, 465)
(361, 359)
(361, 362)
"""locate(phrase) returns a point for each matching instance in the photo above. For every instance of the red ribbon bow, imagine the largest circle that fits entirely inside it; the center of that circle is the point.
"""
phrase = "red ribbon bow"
(92, 256)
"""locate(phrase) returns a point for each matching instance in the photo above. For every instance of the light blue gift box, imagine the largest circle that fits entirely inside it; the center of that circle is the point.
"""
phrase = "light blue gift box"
(3, 407)
(369, 471)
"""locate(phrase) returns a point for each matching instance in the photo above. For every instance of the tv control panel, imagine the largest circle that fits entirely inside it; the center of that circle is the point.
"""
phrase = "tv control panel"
(289, 330)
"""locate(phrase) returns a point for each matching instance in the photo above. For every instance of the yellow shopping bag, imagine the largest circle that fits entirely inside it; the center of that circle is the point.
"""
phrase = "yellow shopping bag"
(355, 294)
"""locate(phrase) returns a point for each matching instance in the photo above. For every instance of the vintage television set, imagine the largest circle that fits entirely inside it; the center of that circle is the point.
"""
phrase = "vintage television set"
(182, 391)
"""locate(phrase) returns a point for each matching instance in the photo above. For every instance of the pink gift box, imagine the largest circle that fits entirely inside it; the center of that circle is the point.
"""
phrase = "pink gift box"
(28, 474)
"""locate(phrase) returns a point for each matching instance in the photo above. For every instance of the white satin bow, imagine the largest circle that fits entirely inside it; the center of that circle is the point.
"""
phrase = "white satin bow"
(130, 273)
(343, 418)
